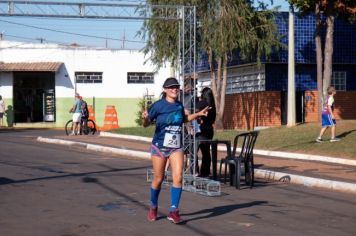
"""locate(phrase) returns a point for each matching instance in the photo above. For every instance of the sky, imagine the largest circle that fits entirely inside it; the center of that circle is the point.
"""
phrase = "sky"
(114, 34)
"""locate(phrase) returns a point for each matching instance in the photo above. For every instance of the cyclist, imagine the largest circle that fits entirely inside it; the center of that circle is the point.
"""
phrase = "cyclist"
(77, 114)
(84, 114)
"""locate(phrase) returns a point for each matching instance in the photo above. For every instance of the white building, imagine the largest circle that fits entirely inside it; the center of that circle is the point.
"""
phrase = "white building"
(32, 74)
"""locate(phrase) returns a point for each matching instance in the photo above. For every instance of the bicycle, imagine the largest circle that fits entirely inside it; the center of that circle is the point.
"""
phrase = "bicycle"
(86, 126)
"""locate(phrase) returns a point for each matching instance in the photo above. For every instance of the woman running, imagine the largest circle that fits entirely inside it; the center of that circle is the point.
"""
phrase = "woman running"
(168, 115)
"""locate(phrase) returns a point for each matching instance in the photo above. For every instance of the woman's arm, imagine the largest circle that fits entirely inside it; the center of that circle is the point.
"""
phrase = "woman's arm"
(194, 116)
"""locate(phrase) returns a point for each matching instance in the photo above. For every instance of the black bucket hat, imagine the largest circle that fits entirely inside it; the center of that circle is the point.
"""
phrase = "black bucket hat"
(170, 82)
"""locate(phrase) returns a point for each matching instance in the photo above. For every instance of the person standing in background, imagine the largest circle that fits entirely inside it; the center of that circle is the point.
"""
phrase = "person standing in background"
(206, 128)
(77, 114)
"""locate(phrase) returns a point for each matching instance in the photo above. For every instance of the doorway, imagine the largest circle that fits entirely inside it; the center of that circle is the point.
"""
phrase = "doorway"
(29, 89)
(299, 106)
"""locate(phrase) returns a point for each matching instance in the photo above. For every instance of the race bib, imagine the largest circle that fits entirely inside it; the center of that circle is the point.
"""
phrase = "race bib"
(171, 140)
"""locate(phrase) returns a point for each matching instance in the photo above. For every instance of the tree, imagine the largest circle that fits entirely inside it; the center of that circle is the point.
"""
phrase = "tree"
(346, 9)
(224, 26)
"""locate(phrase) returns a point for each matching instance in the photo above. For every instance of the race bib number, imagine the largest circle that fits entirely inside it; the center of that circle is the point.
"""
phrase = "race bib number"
(171, 140)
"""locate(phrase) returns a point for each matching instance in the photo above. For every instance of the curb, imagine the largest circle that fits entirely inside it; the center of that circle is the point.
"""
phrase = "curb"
(259, 173)
(94, 147)
(287, 155)
(306, 181)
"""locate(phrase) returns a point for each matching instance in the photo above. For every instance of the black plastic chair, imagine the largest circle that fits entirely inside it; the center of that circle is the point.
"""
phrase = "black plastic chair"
(245, 157)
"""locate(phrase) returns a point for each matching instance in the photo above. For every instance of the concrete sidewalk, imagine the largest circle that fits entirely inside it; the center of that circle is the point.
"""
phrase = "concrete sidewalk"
(321, 172)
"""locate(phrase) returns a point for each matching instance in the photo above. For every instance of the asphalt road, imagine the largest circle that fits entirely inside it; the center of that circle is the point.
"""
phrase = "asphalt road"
(67, 191)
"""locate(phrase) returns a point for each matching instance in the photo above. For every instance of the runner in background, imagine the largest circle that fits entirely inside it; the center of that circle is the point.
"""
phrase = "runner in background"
(327, 116)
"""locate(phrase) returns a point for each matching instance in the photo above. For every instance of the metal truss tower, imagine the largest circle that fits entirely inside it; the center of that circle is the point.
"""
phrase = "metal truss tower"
(184, 15)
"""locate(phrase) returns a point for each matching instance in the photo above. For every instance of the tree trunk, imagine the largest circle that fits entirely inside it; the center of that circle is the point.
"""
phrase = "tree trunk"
(212, 72)
(222, 94)
(319, 60)
(216, 88)
(328, 50)
(219, 93)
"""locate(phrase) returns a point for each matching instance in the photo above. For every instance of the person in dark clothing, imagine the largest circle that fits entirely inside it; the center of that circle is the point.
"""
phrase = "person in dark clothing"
(206, 127)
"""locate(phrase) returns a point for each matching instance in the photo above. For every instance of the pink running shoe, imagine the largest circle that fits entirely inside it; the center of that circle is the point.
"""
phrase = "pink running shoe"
(174, 216)
(152, 214)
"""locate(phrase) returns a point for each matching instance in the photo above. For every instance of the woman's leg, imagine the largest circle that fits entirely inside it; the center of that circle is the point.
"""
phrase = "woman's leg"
(158, 164)
(176, 160)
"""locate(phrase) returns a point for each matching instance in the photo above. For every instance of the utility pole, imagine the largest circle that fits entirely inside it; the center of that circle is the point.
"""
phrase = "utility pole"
(106, 41)
(291, 112)
(123, 40)
(41, 39)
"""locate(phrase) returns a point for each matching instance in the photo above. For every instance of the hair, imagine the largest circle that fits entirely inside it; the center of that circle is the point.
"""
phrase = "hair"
(163, 95)
(330, 90)
(0, 97)
(208, 96)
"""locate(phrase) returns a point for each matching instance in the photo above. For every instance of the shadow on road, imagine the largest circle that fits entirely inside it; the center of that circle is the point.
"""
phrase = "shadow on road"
(221, 210)
(344, 134)
(4, 181)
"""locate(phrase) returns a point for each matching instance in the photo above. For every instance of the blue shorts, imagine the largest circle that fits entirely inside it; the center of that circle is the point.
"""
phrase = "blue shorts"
(163, 152)
(327, 121)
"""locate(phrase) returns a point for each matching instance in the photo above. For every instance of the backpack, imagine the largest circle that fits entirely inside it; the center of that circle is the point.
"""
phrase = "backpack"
(85, 111)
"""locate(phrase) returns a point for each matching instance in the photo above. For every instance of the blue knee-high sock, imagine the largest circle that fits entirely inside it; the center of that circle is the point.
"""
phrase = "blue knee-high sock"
(154, 197)
(175, 197)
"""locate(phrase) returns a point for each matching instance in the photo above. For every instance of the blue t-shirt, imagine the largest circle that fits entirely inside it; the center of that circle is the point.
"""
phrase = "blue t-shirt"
(169, 118)
(78, 106)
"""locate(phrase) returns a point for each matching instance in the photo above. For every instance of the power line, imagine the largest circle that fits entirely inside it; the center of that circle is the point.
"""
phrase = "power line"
(65, 32)
(36, 39)
(61, 43)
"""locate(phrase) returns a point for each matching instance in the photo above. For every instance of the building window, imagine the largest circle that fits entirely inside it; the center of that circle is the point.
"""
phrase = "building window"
(89, 77)
(245, 83)
(338, 80)
(140, 78)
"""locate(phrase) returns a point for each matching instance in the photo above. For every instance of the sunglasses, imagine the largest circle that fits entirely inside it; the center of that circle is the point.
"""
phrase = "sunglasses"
(173, 87)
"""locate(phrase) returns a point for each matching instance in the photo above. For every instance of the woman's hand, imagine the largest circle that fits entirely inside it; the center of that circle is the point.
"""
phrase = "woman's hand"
(204, 112)
(146, 119)
(196, 115)
(144, 114)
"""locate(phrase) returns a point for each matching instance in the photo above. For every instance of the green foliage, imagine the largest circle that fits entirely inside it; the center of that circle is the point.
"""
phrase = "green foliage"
(222, 25)
(141, 105)
(345, 9)
(304, 6)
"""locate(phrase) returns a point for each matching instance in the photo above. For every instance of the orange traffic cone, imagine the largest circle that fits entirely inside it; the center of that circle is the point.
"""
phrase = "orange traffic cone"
(92, 117)
(110, 120)
(91, 113)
